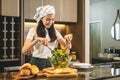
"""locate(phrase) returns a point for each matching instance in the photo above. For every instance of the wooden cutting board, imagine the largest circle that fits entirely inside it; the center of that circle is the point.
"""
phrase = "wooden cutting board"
(61, 75)
(17, 76)
(71, 73)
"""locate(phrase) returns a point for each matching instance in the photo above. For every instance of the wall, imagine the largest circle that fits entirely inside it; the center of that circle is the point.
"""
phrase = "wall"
(107, 15)
(28, 25)
(77, 29)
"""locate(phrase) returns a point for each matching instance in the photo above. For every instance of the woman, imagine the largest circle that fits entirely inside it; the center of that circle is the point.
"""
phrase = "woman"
(44, 36)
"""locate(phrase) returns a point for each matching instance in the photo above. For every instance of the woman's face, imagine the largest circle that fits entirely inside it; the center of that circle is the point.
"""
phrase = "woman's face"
(48, 20)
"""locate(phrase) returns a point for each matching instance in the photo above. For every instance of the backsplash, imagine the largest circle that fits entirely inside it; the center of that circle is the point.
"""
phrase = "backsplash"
(60, 27)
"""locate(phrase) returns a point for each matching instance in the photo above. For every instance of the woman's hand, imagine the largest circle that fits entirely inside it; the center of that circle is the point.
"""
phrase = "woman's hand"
(30, 51)
(68, 37)
(42, 40)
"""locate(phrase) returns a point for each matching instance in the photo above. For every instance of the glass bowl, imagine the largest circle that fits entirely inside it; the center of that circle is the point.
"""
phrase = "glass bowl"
(60, 58)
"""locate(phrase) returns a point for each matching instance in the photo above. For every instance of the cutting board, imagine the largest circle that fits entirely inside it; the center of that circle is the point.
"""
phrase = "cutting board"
(72, 73)
(17, 76)
(61, 75)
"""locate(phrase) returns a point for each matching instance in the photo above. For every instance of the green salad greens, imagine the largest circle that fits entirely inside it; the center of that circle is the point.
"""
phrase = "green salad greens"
(60, 58)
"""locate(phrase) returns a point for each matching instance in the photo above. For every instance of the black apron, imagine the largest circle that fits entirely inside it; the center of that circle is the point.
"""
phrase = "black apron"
(40, 63)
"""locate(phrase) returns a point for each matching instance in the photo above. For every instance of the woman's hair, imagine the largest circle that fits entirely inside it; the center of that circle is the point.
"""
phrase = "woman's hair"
(42, 33)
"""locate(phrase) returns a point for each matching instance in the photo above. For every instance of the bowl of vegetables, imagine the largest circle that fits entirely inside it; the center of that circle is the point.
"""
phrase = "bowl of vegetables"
(60, 58)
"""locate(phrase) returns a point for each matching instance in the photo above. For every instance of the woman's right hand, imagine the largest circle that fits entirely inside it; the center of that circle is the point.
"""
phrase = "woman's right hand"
(42, 40)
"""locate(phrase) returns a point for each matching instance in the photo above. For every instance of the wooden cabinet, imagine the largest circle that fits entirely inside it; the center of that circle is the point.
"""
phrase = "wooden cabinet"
(66, 10)
(30, 8)
(56, 4)
(10, 8)
(10, 41)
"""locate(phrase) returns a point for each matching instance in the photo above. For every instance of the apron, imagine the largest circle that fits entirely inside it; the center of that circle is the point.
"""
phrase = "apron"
(40, 63)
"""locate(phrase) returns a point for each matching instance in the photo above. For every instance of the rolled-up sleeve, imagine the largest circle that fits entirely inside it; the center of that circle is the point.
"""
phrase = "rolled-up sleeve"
(59, 36)
(31, 34)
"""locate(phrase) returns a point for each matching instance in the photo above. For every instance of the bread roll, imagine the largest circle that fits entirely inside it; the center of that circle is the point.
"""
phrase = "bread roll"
(26, 65)
(27, 69)
(34, 69)
(25, 72)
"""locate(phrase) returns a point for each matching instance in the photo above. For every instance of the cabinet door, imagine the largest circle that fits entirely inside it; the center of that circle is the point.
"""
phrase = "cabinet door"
(10, 8)
(56, 4)
(68, 11)
(30, 8)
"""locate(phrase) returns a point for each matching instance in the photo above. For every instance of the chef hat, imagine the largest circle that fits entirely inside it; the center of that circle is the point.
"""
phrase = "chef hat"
(43, 11)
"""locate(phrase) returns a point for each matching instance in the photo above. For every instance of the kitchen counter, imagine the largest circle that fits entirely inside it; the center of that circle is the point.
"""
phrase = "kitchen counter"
(102, 60)
(100, 71)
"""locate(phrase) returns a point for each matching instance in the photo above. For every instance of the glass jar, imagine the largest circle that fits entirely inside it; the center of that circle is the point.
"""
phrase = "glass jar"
(73, 53)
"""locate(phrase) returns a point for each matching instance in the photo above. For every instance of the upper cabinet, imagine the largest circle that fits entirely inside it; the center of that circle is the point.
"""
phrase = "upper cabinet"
(66, 10)
(56, 4)
(30, 8)
(10, 8)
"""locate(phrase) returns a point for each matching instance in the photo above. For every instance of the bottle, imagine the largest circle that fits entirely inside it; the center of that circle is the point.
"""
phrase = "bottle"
(73, 53)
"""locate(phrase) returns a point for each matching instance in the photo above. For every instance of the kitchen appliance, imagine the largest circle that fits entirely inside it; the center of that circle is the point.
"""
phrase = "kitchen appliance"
(110, 53)
(109, 50)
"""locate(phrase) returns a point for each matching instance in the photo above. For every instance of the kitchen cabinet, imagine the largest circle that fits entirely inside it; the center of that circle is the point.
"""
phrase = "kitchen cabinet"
(66, 10)
(10, 7)
(56, 4)
(10, 33)
(30, 8)
(10, 41)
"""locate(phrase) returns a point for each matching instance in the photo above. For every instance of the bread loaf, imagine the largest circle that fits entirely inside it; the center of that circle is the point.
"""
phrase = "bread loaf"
(26, 65)
(27, 69)
(25, 72)
(34, 69)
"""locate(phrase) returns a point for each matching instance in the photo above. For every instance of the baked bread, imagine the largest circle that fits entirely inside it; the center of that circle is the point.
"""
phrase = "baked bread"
(25, 72)
(26, 65)
(59, 70)
(34, 69)
(49, 70)
(28, 69)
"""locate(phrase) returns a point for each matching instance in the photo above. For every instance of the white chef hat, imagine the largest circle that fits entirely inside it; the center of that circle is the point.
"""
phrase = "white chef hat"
(43, 11)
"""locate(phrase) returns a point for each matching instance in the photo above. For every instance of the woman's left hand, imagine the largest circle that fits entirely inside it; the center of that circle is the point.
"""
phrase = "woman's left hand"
(68, 37)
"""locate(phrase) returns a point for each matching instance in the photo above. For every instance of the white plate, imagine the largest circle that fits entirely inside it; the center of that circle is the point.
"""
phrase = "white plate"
(83, 65)
(90, 67)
